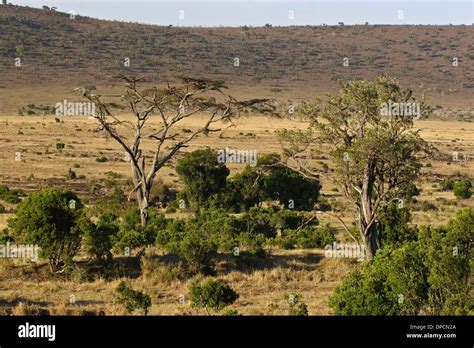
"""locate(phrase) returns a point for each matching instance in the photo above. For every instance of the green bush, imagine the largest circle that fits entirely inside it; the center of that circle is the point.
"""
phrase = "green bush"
(243, 191)
(132, 234)
(307, 237)
(393, 227)
(435, 277)
(448, 255)
(2, 209)
(462, 189)
(131, 299)
(197, 249)
(287, 186)
(447, 184)
(99, 237)
(101, 159)
(202, 175)
(10, 196)
(381, 289)
(47, 218)
(211, 294)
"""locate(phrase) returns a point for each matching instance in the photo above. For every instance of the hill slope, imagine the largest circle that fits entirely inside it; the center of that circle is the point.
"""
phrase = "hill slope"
(55, 49)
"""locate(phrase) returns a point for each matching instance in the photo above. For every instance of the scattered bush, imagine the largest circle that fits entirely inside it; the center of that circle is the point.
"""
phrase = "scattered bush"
(131, 299)
(101, 159)
(462, 189)
(198, 250)
(295, 307)
(211, 294)
(10, 196)
(99, 237)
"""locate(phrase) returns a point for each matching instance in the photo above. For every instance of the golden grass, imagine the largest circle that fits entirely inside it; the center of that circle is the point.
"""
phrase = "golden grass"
(261, 290)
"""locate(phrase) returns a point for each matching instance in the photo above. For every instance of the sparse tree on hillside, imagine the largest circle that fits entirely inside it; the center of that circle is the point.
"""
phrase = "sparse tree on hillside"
(169, 106)
(375, 155)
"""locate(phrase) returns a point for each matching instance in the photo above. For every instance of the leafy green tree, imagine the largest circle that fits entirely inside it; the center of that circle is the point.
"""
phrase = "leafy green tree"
(202, 175)
(244, 190)
(290, 188)
(211, 294)
(169, 106)
(376, 157)
(54, 220)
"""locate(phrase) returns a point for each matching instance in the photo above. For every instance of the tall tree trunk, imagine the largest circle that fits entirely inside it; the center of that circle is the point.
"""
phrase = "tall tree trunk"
(367, 223)
(142, 194)
(143, 205)
(370, 242)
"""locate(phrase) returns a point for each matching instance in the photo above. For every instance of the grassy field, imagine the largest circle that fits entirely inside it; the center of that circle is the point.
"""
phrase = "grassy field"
(261, 287)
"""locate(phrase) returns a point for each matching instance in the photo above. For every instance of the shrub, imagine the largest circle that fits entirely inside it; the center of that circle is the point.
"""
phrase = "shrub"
(462, 189)
(448, 256)
(202, 175)
(285, 186)
(381, 289)
(132, 234)
(98, 239)
(435, 277)
(295, 307)
(131, 299)
(197, 249)
(47, 218)
(243, 191)
(101, 159)
(211, 294)
(310, 237)
(10, 196)
(60, 146)
(394, 227)
(447, 184)
(2, 209)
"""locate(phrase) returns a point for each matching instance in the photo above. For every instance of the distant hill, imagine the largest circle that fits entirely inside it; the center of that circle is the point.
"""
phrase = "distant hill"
(55, 49)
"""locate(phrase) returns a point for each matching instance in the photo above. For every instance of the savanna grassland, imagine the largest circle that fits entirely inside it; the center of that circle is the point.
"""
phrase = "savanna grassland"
(261, 287)
(285, 64)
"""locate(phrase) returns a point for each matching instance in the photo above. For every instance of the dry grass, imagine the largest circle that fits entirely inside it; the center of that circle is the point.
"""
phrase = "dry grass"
(25, 289)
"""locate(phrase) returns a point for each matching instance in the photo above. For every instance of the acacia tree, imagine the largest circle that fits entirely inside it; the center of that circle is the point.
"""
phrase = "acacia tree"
(376, 157)
(168, 107)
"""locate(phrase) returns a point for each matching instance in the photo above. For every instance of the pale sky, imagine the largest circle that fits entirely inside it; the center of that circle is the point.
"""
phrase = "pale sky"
(260, 12)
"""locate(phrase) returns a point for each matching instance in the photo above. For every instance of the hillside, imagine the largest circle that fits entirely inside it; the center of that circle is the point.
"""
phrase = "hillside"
(60, 51)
